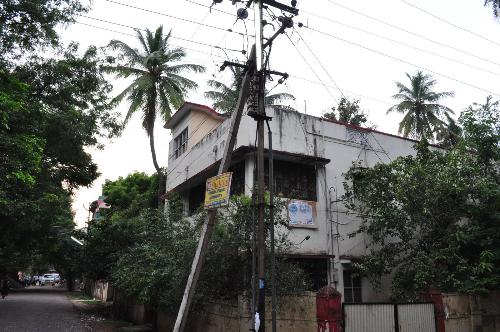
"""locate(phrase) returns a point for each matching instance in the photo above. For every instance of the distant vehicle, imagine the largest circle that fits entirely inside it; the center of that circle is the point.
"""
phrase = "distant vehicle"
(48, 279)
(57, 277)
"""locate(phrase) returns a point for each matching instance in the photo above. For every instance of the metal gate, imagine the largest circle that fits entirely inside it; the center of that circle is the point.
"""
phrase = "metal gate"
(389, 317)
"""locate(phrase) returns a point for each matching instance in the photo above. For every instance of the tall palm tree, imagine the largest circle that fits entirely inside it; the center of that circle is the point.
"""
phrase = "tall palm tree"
(157, 86)
(423, 113)
(225, 97)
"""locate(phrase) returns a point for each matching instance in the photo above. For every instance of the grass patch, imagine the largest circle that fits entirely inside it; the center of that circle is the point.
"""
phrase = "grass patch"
(82, 298)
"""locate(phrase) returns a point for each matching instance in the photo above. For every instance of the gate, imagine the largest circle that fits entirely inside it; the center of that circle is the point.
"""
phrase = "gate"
(389, 317)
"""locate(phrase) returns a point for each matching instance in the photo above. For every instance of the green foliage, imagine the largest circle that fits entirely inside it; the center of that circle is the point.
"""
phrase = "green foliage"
(434, 219)
(128, 196)
(348, 112)
(28, 24)
(149, 255)
(51, 111)
(420, 106)
(157, 86)
(107, 239)
(225, 97)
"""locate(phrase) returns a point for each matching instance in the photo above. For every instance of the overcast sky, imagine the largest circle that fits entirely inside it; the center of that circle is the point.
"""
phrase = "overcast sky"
(350, 51)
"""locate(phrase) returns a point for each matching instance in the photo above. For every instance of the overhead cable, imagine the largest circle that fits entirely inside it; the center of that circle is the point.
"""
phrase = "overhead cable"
(343, 90)
(322, 66)
(173, 17)
(173, 37)
(131, 35)
(413, 33)
(311, 68)
(450, 23)
(406, 45)
(402, 61)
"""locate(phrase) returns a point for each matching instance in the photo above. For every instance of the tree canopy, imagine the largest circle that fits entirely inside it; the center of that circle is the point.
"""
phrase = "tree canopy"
(51, 109)
(27, 25)
(434, 218)
(423, 115)
(347, 111)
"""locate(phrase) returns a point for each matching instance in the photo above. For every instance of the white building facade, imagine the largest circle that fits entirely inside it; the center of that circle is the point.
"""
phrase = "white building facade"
(310, 156)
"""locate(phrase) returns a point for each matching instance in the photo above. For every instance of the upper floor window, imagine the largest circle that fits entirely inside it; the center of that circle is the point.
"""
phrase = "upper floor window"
(293, 180)
(180, 143)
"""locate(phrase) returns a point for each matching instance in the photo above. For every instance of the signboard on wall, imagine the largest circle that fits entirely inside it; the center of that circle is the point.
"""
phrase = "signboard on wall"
(217, 190)
(301, 213)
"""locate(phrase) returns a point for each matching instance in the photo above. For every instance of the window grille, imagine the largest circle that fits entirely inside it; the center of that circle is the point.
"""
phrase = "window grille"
(180, 143)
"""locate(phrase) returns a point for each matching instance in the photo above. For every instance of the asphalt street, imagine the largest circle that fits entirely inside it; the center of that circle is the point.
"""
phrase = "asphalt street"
(41, 309)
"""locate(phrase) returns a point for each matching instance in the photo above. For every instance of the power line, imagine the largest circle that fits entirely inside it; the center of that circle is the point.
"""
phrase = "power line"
(324, 69)
(216, 9)
(311, 68)
(449, 23)
(173, 37)
(406, 45)
(131, 35)
(402, 61)
(412, 33)
(171, 16)
(346, 91)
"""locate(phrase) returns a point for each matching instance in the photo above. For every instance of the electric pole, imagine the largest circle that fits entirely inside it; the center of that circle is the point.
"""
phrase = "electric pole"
(253, 84)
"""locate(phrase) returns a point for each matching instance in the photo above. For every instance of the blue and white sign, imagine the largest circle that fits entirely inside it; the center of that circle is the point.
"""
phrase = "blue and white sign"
(301, 213)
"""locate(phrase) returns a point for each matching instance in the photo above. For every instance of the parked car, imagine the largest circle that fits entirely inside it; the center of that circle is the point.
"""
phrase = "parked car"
(48, 279)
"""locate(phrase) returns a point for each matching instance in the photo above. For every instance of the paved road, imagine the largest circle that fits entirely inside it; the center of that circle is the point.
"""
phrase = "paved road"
(43, 309)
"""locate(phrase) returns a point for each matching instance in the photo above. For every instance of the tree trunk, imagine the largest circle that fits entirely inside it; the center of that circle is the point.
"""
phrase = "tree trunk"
(161, 176)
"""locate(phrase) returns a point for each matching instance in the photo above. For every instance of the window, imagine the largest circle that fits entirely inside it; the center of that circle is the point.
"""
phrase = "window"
(293, 180)
(315, 269)
(180, 143)
(352, 287)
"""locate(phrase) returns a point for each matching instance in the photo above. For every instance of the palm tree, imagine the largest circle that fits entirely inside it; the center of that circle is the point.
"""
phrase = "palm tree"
(450, 135)
(495, 5)
(420, 105)
(157, 86)
(225, 97)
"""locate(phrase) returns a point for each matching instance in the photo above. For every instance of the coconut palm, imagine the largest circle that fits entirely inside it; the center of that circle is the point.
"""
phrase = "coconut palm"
(450, 135)
(423, 114)
(157, 87)
(225, 97)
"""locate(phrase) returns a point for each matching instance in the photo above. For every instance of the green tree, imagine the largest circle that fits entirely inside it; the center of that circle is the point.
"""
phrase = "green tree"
(50, 111)
(434, 218)
(449, 135)
(128, 196)
(348, 112)
(225, 97)
(160, 259)
(157, 86)
(420, 106)
(27, 25)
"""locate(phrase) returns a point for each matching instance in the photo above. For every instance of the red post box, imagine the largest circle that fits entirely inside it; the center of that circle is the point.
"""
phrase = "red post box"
(329, 309)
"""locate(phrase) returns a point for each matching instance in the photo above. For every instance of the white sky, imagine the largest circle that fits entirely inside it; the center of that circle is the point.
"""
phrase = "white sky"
(354, 69)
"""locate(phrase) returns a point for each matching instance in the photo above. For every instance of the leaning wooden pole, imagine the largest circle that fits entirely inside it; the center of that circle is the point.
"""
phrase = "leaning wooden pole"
(208, 226)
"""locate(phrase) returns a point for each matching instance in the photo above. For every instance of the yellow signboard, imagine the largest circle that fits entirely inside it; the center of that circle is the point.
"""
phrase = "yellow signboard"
(217, 190)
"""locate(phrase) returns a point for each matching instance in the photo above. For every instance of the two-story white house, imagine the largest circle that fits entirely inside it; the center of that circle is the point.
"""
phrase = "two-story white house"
(310, 156)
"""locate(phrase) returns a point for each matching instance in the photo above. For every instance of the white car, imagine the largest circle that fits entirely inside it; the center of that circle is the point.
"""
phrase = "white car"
(48, 278)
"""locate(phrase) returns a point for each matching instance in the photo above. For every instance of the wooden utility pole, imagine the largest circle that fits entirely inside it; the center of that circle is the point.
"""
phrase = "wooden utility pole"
(254, 72)
(208, 226)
